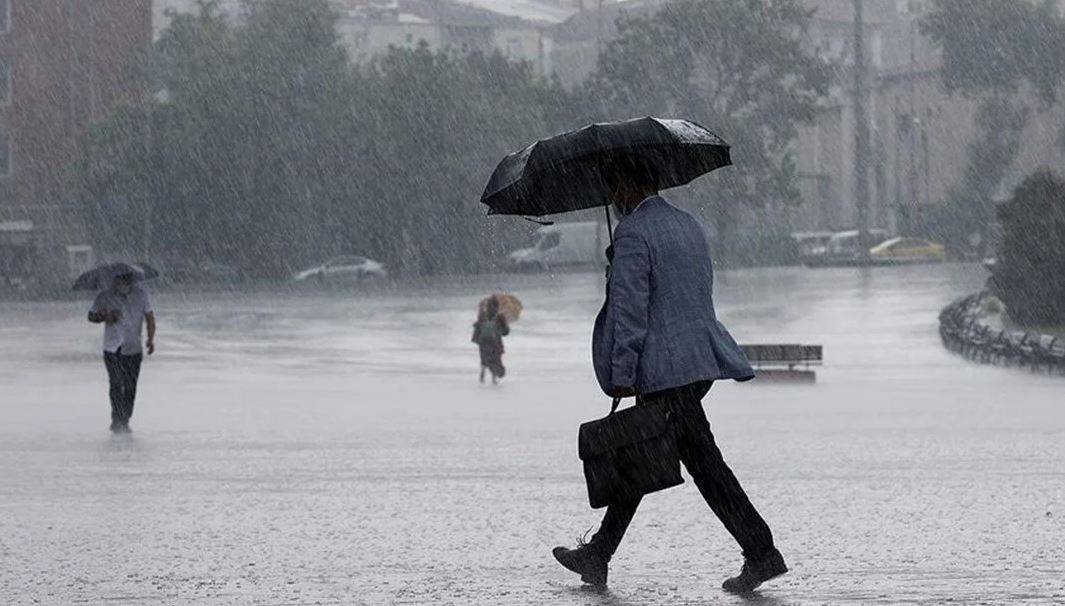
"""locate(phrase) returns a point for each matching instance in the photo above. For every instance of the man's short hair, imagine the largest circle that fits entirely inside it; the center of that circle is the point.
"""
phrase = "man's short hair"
(626, 167)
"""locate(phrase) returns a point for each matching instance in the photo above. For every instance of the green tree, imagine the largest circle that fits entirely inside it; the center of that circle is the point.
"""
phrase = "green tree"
(740, 68)
(269, 150)
(1029, 276)
(998, 45)
(970, 204)
(441, 122)
(248, 156)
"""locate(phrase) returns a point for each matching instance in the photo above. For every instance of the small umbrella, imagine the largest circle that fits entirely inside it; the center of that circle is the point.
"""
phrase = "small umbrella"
(102, 277)
(563, 173)
(509, 306)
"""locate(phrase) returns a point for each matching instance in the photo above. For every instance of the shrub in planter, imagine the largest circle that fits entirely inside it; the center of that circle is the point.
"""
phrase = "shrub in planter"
(1029, 275)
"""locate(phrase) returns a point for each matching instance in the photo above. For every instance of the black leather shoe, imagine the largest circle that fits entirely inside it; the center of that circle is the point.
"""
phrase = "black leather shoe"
(756, 572)
(585, 562)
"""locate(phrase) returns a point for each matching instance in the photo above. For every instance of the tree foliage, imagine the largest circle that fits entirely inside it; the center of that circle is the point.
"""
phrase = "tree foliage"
(998, 45)
(994, 51)
(970, 205)
(739, 67)
(1029, 276)
(270, 151)
(266, 149)
(441, 123)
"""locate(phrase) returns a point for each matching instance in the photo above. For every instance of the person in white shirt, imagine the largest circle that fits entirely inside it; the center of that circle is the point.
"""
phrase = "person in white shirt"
(123, 310)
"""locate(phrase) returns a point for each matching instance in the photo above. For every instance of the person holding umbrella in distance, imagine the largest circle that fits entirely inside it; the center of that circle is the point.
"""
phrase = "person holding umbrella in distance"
(123, 307)
(495, 313)
(657, 337)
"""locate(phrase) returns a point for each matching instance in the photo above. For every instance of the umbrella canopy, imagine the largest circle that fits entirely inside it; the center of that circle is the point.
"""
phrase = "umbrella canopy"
(509, 306)
(102, 277)
(564, 173)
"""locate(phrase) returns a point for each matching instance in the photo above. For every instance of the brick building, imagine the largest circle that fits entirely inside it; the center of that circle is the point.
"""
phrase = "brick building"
(63, 65)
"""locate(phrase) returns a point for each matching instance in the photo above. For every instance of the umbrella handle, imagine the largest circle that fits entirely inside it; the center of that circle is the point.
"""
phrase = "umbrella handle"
(609, 227)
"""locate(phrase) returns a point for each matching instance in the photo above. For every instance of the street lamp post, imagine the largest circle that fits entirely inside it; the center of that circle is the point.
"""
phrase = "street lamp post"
(861, 134)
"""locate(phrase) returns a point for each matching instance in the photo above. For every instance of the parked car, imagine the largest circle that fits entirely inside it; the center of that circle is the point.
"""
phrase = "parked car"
(346, 269)
(845, 243)
(564, 244)
(843, 248)
(908, 250)
(811, 242)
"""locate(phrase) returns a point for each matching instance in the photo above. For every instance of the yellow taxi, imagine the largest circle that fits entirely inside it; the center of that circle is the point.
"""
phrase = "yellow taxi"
(908, 250)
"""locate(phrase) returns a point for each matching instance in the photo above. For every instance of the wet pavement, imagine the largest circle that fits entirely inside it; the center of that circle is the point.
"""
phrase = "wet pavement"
(336, 448)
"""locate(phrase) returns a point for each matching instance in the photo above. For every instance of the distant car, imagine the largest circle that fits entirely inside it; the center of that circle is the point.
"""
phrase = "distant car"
(849, 243)
(842, 248)
(345, 269)
(563, 244)
(908, 250)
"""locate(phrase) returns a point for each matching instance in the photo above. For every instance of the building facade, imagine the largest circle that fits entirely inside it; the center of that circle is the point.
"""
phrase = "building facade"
(368, 28)
(163, 10)
(919, 134)
(63, 66)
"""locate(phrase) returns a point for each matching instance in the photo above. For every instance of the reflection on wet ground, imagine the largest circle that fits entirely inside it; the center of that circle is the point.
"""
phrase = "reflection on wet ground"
(336, 448)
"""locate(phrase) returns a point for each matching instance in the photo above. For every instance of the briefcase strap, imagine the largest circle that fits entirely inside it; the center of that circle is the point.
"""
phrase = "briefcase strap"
(614, 405)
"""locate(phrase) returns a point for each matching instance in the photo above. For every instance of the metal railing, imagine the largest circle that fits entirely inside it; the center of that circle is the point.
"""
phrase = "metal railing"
(964, 332)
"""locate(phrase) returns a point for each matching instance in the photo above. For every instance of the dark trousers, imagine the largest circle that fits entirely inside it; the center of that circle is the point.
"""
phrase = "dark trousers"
(715, 480)
(122, 371)
(492, 359)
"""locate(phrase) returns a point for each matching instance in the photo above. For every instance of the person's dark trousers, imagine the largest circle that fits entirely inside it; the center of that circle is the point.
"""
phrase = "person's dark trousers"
(122, 371)
(715, 480)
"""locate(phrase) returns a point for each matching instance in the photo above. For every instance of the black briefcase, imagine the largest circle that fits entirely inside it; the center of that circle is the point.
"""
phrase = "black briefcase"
(629, 453)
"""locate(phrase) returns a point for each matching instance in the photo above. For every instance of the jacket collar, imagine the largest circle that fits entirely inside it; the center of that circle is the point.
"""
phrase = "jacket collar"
(644, 201)
(649, 199)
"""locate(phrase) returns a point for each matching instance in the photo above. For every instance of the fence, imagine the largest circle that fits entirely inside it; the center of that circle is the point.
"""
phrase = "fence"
(963, 332)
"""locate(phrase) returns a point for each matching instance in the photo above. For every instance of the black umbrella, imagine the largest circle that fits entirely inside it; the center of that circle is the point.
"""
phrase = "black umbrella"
(103, 276)
(564, 173)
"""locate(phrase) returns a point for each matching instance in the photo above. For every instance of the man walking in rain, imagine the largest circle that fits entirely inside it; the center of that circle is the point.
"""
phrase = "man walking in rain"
(123, 310)
(658, 338)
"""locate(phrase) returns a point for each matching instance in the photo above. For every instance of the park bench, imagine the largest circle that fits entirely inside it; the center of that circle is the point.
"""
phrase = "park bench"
(780, 361)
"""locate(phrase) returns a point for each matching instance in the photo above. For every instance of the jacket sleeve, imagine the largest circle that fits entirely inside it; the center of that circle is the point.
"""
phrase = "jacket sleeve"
(99, 303)
(629, 299)
(504, 328)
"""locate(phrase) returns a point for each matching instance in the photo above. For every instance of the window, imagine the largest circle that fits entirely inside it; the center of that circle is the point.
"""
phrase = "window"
(5, 16)
(5, 152)
(5, 84)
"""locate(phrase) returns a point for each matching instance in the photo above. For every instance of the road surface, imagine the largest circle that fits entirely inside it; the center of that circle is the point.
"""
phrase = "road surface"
(336, 448)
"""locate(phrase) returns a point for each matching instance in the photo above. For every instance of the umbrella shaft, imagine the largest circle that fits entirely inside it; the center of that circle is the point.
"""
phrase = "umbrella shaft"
(609, 227)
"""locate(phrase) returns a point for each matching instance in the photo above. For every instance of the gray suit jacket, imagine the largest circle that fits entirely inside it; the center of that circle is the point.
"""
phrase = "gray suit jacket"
(658, 329)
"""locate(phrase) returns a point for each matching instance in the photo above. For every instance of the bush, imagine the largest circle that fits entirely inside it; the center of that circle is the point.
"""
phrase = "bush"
(1029, 276)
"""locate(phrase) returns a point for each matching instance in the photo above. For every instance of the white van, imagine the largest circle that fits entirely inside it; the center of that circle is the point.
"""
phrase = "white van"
(564, 244)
